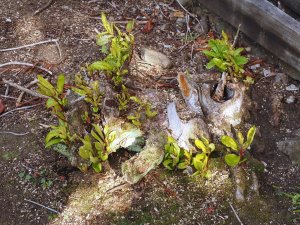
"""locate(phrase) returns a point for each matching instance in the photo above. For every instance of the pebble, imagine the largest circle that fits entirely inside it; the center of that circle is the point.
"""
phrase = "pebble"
(255, 66)
(291, 99)
(156, 58)
(292, 87)
(266, 72)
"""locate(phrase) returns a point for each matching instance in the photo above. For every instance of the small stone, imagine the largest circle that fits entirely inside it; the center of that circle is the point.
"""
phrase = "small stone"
(291, 147)
(156, 58)
(255, 66)
(292, 87)
(8, 20)
(291, 99)
(281, 78)
(248, 49)
(266, 72)
(202, 27)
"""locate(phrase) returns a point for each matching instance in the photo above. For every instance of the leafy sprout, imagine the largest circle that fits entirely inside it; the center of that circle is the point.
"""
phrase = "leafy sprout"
(237, 146)
(201, 160)
(176, 157)
(224, 56)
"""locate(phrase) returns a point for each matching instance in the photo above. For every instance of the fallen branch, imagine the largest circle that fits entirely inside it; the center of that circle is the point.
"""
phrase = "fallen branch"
(46, 207)
(33, 93)
(6, 96)
(29, 45)
(13, 133)
(23, 92)
(236, 36)
(43, 8)
(55, 41)
(17, 109)
(191, 14)
(25, 64)
(235, 213)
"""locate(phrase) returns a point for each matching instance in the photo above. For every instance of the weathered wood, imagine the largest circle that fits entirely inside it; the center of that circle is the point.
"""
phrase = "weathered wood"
(264, 23)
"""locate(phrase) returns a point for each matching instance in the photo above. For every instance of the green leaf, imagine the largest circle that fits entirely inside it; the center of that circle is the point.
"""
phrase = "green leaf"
(60, 84)
(168, 164)
(210, 65)
(51, 102)
(240, 138)
(84, 152)
(208, 174)
(229, 142)
(212, 147)
(101, 65)
(240, 60)
(237, 51)
(98, 129)
(200, 145)
(224, 35)
(108, 27)
(53, 142)
(45, 83)
(99, 146)
(52, 134)
(130, 26)
(93, 159)
(97, 167)
(149, 113)
(198, 161)
(182, 165)
(103, 40)
(250, 136)
(232, 159)
(220, 64)
(79, 91)
(104, 157)
(210, 53)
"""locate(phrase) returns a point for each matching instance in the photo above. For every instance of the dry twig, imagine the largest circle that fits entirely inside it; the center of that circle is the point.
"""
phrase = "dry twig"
(17, 109)
(33, 93)
(191, 14)
(46, 207)
(25, 64)
(23, 92)
(236, 36)
(44, 7)
(55, 41)
(13, 133)
(235, 213)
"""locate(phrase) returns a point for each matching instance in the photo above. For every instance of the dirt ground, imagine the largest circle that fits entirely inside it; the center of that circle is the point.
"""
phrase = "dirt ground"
(30, 172)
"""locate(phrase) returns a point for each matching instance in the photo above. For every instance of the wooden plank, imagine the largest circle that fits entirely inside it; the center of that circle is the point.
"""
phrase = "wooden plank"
(264, 23)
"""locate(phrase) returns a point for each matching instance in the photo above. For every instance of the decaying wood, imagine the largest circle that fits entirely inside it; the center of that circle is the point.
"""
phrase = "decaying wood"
(264, 23)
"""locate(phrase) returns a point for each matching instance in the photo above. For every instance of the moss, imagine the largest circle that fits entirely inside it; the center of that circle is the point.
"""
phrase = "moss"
(7, 156)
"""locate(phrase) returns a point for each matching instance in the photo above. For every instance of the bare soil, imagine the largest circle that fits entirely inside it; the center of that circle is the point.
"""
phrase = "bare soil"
(25, 163)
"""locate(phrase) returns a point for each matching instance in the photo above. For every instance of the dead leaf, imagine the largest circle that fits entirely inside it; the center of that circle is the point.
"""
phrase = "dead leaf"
(2, 107)
(148, 26)
(178, 14)
(201, 41)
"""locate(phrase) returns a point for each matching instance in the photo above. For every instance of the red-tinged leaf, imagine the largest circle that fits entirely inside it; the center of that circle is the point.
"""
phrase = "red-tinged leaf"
(210, 210)
(148, 26)
(2, 107)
